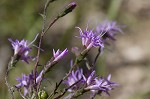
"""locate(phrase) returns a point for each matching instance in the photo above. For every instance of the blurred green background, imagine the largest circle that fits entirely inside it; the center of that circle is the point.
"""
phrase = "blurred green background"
(127, 59)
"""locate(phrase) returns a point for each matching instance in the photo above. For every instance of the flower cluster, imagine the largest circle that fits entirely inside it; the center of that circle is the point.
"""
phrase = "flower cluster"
(90, 83)
(90, 38)
(75, 76)
(101, 85)
(98, 38)
(27, 82)
(78, 83)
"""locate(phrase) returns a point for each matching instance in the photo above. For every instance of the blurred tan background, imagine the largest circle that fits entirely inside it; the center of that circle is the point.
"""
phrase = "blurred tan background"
(127, 59)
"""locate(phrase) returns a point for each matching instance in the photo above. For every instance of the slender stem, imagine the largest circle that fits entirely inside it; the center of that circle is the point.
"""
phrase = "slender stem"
(79, 59)
(12, 63)
(21, 94)
(10, 88)
(79, 93)
(39, 46)
(99, 51)
(66, 89)
(42, 35)
(55, 90)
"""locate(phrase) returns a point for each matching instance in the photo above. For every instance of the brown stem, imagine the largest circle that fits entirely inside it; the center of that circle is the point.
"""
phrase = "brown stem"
(66, 89)
(39, 46)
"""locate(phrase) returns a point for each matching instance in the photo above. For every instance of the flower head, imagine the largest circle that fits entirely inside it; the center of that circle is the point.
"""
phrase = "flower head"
(21, 49)
(101, 85)
(24, 82)
(75, 76)
(108, 30)
(59, 54)
(90, 79)
(90, 39)
(27, 81)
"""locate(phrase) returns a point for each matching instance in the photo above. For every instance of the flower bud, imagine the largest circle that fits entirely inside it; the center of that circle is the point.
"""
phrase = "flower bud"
(42, 95)
(68, 9)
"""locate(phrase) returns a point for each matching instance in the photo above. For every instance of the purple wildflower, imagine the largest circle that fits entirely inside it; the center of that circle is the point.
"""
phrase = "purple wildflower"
(102, 85)
(74, 77)
(90, 79)
(21, 49)
(24, 82)
(108, 30)
(27, 82)
(39, 77)
(59, 54)
(90, 39)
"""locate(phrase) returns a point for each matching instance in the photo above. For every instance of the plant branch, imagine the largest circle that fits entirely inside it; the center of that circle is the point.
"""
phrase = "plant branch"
(10, 88)
(66, 89)
(95, 60)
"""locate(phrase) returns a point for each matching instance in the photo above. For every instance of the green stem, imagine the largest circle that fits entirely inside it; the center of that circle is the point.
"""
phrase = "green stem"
(10, 66)
(79, 93)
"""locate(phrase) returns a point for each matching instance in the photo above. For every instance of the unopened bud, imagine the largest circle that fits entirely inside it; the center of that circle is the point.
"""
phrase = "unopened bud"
(42, 95)
(68, 9)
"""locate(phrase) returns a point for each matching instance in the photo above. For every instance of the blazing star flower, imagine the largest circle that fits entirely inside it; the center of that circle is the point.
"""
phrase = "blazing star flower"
(27, 81)
(59, 54)
(108, 30)
(90, 39)
(102, 85)
(21, 49)
(74, 77)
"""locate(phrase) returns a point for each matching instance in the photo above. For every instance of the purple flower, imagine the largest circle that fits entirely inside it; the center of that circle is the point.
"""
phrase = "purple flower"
(39, 77)
(24, 82)
(59, 54)
(27, 81)
(102, 85)
(90, 79)
(75, 76)
(90, 39)
(108, 30)
(21, 49)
